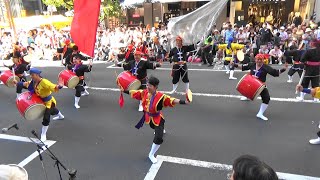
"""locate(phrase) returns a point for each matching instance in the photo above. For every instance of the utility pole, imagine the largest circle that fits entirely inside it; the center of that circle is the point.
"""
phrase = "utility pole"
(10, 19)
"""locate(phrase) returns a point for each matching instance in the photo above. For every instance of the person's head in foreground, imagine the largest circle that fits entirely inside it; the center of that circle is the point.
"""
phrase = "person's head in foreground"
(152, 84)
(247, 167)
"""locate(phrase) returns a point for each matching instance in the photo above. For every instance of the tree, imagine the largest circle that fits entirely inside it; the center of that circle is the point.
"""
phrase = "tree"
(109, 9)
(59, 3)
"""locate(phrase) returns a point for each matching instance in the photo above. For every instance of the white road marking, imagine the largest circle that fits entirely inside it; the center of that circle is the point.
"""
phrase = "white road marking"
(169, 69)
(112, 65)
(213, 95)
(35, 154)
(153, 170)
(216, 166)
(49, 143)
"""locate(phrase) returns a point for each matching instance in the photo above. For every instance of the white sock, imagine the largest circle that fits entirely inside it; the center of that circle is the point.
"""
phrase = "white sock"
(302, 95)
(60, 114)
(174, 87)
(263, 108)
(187, 86)
(76, 101)
(290, 78)
(227, 67)
(44, 130)
(154, 149)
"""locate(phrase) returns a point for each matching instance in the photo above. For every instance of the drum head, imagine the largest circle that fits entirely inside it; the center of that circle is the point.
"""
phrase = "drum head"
(189, 95)
(259, 92)
(240, 55)
(34, 112)
(10, 83)
(134, 85)
(13, 171)
(73, 82)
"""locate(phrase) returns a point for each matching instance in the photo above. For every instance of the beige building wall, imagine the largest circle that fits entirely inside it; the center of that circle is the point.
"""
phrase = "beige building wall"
(317, 10)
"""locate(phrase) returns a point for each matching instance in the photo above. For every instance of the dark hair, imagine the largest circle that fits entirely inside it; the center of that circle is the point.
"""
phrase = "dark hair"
(247, 167)
(153, 81)
(77, 56)
(75, 48)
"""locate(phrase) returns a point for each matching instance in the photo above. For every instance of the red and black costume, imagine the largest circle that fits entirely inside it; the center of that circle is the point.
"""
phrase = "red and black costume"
(139, 69)
(79, 70)
(152, 114)
(19, 70)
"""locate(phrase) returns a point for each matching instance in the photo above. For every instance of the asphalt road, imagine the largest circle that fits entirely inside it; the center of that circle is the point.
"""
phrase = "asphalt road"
(100, 141)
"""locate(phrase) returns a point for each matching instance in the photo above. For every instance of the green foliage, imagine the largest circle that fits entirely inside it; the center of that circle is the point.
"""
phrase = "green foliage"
(110, 8)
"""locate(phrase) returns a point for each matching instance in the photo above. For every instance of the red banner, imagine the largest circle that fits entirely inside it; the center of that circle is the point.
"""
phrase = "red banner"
(84, 24)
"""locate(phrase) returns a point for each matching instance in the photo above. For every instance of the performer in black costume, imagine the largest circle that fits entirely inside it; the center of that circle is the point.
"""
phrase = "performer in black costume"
(178, 55)
(293, 56)
(79, 69)
(311, 60)
(139, 68)
(260, 71)
(19, 70)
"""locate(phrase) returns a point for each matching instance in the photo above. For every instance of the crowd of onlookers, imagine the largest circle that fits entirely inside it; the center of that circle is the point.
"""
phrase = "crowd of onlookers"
(155, 42)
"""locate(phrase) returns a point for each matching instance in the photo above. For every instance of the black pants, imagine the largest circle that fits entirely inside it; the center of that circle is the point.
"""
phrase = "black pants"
(178, 72)
(20, 86)
(206, 56)
(46, 117)
(227, 63)
(265, 96)
(311, 71)
(158, 137)
(80, 88)
(296, 68)
(274, 60)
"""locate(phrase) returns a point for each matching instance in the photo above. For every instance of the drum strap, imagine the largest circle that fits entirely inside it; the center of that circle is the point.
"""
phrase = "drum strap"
(46, 99)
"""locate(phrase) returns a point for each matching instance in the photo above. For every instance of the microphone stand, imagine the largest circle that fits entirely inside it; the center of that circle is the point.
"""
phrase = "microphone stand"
(39, 148)
(72, 173)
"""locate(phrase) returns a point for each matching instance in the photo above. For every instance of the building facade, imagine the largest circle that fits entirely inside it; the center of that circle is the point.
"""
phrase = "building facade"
(241, 12)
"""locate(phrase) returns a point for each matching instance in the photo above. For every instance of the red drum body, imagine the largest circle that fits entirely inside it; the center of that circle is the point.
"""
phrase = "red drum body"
(31, 107)
(70, 79)
(127, 81)
(7, 78)
(250, 87)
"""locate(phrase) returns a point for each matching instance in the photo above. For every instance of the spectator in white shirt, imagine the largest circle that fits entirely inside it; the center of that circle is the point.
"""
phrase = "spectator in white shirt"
(241, 36)
(276, 55)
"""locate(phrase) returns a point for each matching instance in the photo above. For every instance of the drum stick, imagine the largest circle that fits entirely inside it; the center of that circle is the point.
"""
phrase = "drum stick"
(301, 79)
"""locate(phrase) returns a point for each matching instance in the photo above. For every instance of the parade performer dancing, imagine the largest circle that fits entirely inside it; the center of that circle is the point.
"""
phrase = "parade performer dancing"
(311, 60)
(79, 69)
(139, 68)
(75, 52)
(44, 88)
(260, 71)
(297, 65)
(315, 92)
(231, 52)
(178, 55)
(19, 70)
(153, 101)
